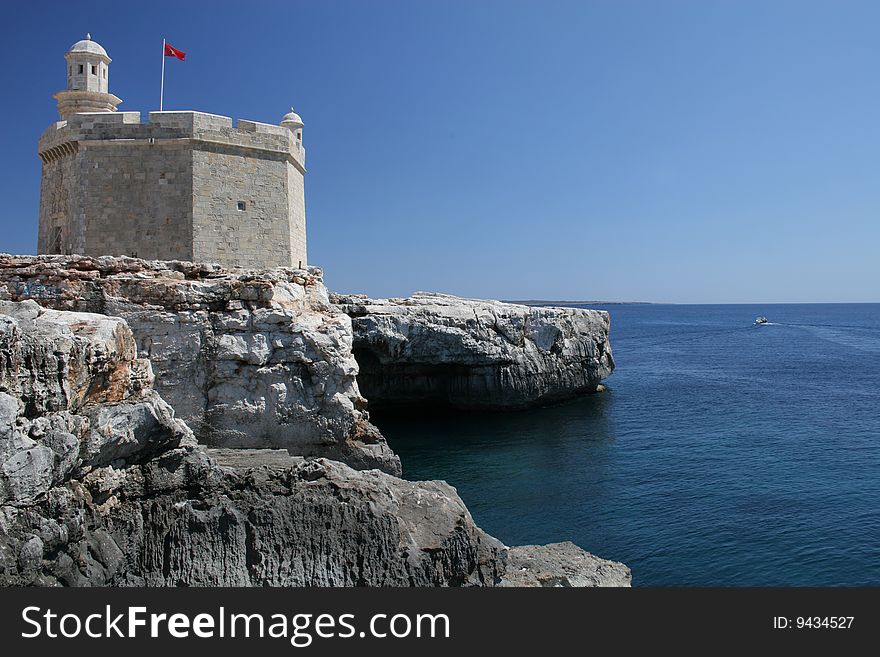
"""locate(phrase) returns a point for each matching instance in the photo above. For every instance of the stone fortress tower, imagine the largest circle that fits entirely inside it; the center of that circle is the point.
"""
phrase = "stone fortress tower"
(183, 185)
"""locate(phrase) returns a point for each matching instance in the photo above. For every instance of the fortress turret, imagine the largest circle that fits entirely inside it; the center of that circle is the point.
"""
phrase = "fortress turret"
(87, 80)
(294, 123)
(180, 185)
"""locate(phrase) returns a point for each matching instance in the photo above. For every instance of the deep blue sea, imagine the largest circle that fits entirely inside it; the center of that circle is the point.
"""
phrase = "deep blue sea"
(722, 453)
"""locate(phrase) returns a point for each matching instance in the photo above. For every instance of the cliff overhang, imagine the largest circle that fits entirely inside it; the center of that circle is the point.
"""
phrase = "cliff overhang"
(438, 349)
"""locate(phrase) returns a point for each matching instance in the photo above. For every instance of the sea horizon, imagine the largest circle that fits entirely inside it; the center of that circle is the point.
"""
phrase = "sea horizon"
(722, 453)
(539, 302)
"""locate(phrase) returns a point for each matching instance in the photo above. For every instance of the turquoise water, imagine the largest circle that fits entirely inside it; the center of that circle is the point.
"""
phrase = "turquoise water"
(722, 453)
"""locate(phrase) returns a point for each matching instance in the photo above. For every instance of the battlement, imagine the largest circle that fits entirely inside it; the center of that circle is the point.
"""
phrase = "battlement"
(209, 131)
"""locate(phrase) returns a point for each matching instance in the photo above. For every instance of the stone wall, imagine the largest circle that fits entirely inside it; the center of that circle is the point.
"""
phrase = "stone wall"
(185, 185)
(240, 207)
(297, 216)
(137, 198)
(60, 203)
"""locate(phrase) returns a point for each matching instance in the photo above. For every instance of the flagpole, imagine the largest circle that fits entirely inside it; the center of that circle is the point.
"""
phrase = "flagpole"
(162, 86)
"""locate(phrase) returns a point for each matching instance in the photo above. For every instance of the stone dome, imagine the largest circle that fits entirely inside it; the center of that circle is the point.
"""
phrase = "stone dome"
(88, 46)
(292, 119)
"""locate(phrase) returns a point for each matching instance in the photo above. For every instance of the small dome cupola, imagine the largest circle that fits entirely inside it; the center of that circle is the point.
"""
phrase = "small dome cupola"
(87, 66)
(89, 46)
(293, 122)
(88, 80)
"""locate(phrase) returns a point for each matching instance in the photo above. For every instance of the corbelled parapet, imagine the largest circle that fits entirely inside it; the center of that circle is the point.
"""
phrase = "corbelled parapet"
(209, 129)
(248, 358)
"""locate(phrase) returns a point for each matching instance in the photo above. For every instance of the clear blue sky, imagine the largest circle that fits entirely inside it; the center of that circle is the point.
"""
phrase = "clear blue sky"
(683, 151)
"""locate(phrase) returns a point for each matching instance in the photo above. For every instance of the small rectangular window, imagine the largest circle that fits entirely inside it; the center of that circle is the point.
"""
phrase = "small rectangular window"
(94, 70)
(80, 69)
(105, 72)
(242, 205)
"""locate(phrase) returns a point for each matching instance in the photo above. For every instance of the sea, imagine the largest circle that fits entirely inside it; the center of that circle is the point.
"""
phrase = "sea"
(722, 453)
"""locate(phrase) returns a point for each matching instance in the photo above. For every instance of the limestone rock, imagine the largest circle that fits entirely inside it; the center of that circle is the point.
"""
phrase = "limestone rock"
(76, 358)
(247, 358)
(437, 348)
(561, 564)
(73, 396)
(101, 485)
(259, 523)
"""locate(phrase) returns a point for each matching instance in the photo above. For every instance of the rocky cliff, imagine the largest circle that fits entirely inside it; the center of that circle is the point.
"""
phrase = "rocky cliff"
(73, 397)
(101, 485)
(468, 353)
(246, 358)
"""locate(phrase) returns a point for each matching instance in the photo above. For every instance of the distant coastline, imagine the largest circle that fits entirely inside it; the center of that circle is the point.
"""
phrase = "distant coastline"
(545, 302)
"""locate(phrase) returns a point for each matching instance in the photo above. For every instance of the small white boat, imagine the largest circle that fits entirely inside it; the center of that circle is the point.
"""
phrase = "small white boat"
(761, 320)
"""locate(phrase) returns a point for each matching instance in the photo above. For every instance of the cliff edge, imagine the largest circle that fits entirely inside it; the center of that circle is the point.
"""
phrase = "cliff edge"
(100, 484)
(247, 358)
(475, 354)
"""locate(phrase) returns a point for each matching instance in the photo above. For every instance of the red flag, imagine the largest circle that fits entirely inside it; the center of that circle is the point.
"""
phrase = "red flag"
(171, 51)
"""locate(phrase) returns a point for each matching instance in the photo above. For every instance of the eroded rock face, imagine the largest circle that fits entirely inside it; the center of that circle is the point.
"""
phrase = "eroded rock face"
(468, 353)
(101, 485)
(74, 396)
(246, 358)
(183, 520)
